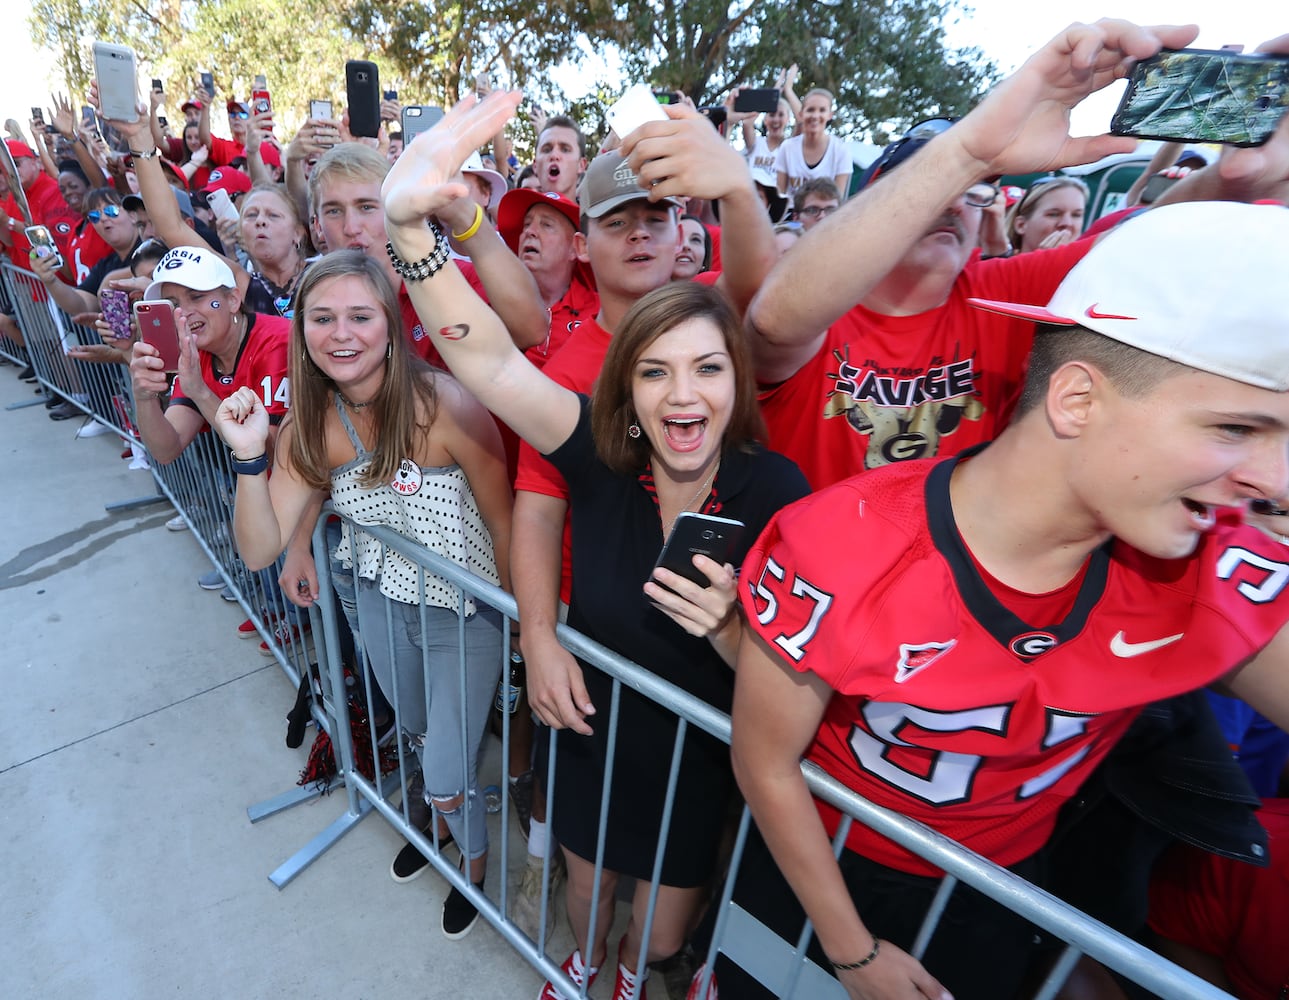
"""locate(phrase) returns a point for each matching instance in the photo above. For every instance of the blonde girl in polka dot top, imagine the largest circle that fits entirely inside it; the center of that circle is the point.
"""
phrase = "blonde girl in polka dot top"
(404, 446)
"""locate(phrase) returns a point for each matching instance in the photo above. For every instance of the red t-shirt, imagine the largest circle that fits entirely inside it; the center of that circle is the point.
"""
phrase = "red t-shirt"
(884, 389)
(414, 330)
(1231, 910)
(261, 365)
(948, 708)
(47, 209)
(576, 367)
(224, 151)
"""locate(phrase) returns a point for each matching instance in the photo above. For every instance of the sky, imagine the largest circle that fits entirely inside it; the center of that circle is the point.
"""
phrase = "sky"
(1007, 31)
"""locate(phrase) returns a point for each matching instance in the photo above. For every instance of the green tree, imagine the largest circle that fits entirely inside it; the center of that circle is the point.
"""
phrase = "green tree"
(885, 60)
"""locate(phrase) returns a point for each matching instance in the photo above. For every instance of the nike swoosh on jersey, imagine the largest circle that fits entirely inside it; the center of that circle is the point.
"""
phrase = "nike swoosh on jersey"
(1122, 647)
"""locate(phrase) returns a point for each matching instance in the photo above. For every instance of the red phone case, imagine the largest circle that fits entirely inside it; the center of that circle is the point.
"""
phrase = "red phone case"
(157, 327)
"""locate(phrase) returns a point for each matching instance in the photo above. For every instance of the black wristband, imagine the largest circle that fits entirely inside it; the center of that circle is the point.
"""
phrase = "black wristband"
(250, 466)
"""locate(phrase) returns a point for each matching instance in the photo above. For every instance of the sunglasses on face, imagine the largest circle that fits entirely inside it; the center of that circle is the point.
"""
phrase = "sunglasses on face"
(111, 211)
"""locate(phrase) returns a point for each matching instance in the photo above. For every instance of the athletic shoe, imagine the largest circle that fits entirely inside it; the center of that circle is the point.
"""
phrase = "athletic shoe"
(65, 411)
(459, 914)
(521, 797)
(28, 374)
(211, 581)
(247, 630)
(526, 910)
(176, 523)
(697, 982)
(410, 864)
(578, 972)
(630, 985)
(287, 635)
(92, 428)
(228, 595)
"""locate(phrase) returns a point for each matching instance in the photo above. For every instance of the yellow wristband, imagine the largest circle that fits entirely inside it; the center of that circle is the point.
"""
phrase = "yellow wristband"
(474, 226)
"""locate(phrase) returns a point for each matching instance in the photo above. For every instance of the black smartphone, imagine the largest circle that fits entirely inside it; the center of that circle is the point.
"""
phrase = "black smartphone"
(418, 118)
(38, 116)
(764, 99)
(391, 95)
(664, 97)
(162, 121)
(1201, 95)
(208, 83)
(156, 85)
(362, 94)
(699, 534)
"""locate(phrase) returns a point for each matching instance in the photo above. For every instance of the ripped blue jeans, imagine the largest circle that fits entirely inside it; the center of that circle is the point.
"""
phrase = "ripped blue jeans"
(429, 699)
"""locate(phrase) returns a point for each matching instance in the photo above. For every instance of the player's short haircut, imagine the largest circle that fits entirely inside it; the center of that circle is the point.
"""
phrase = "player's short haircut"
(821, 187)
(564, 121)
(348, 161)
(1132, 371)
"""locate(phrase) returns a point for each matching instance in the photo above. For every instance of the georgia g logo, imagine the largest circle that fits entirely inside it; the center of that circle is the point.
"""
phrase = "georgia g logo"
(1031, 644)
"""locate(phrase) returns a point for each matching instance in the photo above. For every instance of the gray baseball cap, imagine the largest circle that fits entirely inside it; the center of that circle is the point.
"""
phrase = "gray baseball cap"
(609, 183)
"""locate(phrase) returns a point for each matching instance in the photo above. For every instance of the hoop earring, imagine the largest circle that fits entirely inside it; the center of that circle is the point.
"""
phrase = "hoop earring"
(389, 350)
(633, 431)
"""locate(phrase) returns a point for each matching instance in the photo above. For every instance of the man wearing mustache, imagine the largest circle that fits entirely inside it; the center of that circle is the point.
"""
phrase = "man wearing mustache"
(910, 371)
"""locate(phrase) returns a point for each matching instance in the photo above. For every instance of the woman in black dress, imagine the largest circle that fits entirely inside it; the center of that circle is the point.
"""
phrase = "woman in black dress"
(672, 428)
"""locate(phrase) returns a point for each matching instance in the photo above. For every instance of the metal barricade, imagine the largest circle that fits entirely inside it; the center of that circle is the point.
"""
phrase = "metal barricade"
(780, 965)
(100, 391)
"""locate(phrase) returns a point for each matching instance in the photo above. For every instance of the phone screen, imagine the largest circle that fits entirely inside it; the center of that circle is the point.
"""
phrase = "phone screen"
(1194, 95)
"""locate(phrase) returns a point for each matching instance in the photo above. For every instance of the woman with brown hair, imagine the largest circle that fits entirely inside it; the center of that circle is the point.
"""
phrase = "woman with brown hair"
(400, 445)
(1049, 215)
(672, 428)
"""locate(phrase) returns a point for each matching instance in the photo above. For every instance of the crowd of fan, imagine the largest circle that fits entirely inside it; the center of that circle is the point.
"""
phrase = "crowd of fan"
(849, 347)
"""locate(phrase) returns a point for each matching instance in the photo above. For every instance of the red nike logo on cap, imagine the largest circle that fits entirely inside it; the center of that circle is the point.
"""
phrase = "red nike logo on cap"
(1093, 314)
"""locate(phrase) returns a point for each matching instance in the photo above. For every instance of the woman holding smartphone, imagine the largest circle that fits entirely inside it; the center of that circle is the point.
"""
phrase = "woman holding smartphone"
(672, 428)
(400, 445)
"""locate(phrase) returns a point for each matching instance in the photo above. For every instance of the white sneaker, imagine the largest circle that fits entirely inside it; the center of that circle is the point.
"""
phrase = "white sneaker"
(177, 523)
(526, 910)
(92, 428)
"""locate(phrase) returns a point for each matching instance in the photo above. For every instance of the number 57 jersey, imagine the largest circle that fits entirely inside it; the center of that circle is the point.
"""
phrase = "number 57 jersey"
(950, 709)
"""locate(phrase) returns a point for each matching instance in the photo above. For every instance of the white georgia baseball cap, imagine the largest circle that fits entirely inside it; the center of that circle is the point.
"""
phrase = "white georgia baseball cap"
(195, 268)
(1201, 283)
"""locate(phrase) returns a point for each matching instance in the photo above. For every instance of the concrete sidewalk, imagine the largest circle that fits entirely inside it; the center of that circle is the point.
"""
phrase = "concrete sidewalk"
(135, 731)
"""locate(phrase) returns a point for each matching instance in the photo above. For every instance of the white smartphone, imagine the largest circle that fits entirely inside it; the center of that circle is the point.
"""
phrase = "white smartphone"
(222, 205)
(636, 107)
(118, 86)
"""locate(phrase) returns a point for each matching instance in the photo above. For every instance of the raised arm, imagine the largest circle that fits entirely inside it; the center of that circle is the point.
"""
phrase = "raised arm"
(468, 335)
(1021, 126)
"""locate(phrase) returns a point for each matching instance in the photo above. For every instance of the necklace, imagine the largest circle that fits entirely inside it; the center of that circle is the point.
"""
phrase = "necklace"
(351, 404)
(701, 492)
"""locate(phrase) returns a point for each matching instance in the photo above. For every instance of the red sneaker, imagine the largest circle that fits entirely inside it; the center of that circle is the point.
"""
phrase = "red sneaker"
(697, 982)
(286, 635)
(577, 971)
(630, 985)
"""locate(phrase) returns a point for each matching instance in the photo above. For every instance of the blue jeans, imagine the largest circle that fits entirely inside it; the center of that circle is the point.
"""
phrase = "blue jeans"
(429, 700)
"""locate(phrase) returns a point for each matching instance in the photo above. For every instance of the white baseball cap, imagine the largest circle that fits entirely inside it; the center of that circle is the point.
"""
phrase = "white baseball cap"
(1200, 283)
(192, 267)
(474, 165)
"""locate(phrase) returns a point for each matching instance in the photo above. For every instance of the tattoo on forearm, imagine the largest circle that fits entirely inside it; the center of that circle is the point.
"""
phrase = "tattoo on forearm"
(458, 331)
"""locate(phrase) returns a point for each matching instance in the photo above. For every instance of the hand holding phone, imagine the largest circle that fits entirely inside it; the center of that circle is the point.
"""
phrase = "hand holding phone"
(222, 205)
(362, 90)
(633, 109)
(42, 243)
(116, 312)
(699, 534)
(116, 71)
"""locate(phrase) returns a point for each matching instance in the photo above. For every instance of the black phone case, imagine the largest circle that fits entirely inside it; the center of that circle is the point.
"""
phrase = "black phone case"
(698, 534)
(762, 101)
(362, 91)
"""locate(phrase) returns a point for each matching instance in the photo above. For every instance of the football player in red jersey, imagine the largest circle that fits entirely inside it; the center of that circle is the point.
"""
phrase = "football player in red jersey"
(1014, 607)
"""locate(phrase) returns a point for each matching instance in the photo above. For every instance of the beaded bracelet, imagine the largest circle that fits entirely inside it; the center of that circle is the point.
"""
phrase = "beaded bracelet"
(428, 265)
(866, 960)
(474, 226)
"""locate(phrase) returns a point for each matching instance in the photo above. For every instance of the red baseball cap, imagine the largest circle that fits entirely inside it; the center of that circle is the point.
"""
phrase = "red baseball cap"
(190, 104)
(228, 179)
(515, 204)
(270, 154)
(19, 149)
